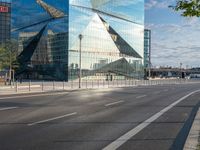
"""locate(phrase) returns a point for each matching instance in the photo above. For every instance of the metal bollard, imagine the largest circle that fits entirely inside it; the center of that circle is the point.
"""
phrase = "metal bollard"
(53, 85)
(29, 86)
(42, 85)
(63, 85)
(71, 84)
(16, 86)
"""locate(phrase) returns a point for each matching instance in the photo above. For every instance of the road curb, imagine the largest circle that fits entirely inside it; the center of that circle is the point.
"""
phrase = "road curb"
(57, 90)
(192, 141)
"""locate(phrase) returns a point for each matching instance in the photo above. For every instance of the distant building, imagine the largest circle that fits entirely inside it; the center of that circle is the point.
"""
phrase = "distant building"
(5, 20)
(147, 48)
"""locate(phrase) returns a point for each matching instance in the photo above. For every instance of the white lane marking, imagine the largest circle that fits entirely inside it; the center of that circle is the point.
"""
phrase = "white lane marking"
(114, 103)
(166, 90)
(141, 96)
(51, 119)
(124, 138)
(8, 108)
(35, 95)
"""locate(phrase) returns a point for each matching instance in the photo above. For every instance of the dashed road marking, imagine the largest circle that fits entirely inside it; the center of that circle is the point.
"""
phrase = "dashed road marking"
(7, 108)
(141, 96)
(114, 103)
(51, 119)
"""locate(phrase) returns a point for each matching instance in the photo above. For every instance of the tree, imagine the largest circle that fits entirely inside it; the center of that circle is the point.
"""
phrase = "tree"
(3, 58)
(188, 8)
(8, 53)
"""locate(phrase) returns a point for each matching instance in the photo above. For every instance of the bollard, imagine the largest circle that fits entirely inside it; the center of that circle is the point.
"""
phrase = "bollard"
(86, 83)
(53, 85)
(63, 85)
(42, 85)
(71, 84)
(29, 87)
(16, 86)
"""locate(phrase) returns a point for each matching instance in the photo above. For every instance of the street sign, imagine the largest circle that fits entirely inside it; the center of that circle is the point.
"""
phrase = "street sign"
(3, 9)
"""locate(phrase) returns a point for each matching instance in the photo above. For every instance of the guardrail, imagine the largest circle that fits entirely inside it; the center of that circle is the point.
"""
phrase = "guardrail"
(43, 86)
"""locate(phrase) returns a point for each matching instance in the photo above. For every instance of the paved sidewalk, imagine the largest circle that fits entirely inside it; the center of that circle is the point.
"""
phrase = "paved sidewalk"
(46, 86)
(193, 140)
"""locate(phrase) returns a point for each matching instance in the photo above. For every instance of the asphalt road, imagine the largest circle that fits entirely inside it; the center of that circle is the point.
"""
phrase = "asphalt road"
(139, 118)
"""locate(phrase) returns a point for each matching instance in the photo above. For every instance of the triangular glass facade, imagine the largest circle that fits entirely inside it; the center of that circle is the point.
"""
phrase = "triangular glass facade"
(112, 37)
(112, 32)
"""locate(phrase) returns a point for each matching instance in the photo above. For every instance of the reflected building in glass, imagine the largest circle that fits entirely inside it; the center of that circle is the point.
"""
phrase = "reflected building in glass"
(41, 29)
(113, 37)
(5, 20)
(147, 48)
(112, 46)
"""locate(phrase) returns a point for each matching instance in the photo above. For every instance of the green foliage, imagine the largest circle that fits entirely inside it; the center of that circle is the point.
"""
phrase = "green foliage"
(188, 8)
(4, 63)
(8, 52)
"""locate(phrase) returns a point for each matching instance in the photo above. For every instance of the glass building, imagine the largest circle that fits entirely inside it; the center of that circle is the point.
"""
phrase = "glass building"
(41, 29)
(147, 48)
(112, 43)
(5, 20)
(111, 47)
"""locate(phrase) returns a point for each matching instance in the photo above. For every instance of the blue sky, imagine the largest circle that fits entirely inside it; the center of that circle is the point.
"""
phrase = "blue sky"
(175, 39)
(33, 13)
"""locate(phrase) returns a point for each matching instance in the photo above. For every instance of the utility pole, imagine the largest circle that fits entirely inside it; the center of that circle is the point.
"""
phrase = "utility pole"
(181, 70)
(80, 74)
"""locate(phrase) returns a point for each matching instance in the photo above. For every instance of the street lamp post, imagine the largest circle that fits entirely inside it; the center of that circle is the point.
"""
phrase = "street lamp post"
(80, 38)
(181, 70)
(149, 54)
(10, 68)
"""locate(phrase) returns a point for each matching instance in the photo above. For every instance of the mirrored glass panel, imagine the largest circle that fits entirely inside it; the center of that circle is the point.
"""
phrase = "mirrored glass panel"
(112, 40)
